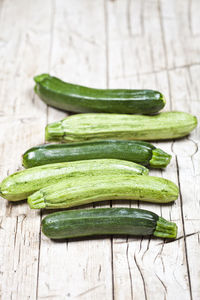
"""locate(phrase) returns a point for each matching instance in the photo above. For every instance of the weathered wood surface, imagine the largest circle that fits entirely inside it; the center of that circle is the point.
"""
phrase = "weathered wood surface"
(121, 43)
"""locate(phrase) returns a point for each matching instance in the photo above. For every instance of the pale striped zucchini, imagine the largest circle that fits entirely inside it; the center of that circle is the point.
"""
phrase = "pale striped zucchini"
(83, 127)
(84, 190)
(20, 185)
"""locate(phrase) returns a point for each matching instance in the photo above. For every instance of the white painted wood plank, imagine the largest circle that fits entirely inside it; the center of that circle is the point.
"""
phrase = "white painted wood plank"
(151, 266)
(181, 37)
(188, 160)
(181, 29)
(134, 41)
(24, 39)
(145, 267)
(77, 269)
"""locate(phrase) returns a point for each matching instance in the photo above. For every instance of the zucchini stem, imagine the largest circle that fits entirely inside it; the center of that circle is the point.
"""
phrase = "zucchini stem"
(37, 200)
(40, 78)
(54, 130)
(160, 159)
(165, 229)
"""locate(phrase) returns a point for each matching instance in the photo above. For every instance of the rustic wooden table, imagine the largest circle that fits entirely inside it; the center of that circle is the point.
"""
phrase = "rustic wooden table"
(122, 43)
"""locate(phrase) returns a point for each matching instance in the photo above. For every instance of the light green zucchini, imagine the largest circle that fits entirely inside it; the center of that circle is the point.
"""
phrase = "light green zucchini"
(79, 191)
(83, 127)
(20, 185)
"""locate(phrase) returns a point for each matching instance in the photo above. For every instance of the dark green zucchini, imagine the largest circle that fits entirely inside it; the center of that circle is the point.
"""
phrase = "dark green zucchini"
(106, 221)
(93, 127)
(136, 151)
(76, 98)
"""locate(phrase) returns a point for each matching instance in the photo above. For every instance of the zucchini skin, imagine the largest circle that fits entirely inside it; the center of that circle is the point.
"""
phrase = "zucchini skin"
(139, 152)
(106, 221)
(83, 190)
(84, 127)
(20, 185)
(76, 98)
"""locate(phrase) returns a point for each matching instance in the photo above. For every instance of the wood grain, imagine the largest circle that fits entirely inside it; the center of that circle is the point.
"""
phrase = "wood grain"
(118, 44)
(77, 55)
(22, 120)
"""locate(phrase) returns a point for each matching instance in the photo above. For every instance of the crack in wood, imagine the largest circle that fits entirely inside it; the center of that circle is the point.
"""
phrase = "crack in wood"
(140, 247)
(159, 253)
(142, 276)
(16, 228)
(184, 235)
(85, 39)
(38, 264)
(128, 18)
(147, 248)
(88, 291)
(180, 238)
(154, 72)
(196, 145)
(22, 221)
(164, 286)
(1, 227)
(67, 245)
(99, 273)
(112, 268)
(129, 269)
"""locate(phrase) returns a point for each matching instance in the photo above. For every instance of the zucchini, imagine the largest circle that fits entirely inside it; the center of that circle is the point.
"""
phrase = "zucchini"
(79, 191)
(83, 127)
(20, 185)
(136, 151)
(106, 221)
(76, 98)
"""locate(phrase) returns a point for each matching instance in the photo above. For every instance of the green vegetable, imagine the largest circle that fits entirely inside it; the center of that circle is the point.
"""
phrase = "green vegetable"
(83, 127)
(103, 221)
(73, 97)
(139, 152)
(84, 190)
(20, 185)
